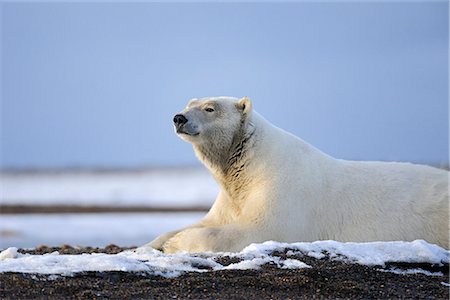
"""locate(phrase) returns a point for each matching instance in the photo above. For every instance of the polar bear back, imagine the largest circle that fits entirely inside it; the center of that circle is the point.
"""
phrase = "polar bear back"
(318, 197)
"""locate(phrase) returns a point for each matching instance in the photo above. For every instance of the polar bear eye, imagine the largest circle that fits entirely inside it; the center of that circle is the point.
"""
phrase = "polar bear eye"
(209, 109)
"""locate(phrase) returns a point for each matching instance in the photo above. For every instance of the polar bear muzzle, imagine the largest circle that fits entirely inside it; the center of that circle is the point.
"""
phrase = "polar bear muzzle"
(180, 123)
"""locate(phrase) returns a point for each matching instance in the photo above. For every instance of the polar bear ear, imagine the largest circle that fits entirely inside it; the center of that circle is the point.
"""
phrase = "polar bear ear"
(245, 105)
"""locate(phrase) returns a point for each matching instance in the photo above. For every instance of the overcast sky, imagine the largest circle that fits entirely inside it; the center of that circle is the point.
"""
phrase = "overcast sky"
(97, 84)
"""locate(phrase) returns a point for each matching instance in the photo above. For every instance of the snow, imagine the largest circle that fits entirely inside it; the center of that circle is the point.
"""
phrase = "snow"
(98, 230)
(165, 187)
(142, 259)
(8, 253)
(254, 263)
(294, 264)
(150, 261)
(371, 253)
(412, 271)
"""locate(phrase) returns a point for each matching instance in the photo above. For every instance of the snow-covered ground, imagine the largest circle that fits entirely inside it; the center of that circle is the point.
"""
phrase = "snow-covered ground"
(154, 262)
(165, 187)
(28, 231)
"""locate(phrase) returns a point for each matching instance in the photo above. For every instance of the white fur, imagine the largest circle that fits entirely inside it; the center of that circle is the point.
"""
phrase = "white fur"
(291, 192)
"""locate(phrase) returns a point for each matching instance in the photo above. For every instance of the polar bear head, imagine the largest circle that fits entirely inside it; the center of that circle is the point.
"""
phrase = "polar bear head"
(215, 120)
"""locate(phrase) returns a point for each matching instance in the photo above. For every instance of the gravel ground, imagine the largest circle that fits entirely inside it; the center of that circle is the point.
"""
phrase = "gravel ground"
(326, 279)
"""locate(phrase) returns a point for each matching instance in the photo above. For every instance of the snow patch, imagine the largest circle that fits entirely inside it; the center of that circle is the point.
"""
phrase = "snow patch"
(254, 263)
(411, 271)
(370, 254)
(294, 264)
(150, 261)
(11, 252)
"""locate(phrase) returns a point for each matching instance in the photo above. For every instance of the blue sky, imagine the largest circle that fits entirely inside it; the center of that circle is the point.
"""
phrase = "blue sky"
(97, 84)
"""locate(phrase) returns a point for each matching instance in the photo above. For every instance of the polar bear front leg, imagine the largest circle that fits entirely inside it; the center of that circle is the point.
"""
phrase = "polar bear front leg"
(209, 239)
(159, 242)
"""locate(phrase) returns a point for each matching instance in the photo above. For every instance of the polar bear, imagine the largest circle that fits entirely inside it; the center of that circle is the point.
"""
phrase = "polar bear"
(275, 186)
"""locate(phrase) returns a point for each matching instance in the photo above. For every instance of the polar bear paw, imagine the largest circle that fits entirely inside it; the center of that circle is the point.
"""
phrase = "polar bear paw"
(204, 239)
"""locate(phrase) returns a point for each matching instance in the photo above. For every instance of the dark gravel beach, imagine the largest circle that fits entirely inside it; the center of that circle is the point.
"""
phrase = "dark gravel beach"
(326, 279)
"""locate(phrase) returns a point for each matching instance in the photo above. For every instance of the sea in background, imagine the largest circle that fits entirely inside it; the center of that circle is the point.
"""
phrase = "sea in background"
(123, 207)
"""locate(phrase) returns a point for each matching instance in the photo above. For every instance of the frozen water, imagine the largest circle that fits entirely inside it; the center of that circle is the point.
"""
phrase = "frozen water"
(132, 229)
(171, 187)
(165, 187)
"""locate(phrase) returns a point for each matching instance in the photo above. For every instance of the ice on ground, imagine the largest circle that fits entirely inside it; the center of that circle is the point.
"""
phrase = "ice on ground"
(171, 187)
(154, 262)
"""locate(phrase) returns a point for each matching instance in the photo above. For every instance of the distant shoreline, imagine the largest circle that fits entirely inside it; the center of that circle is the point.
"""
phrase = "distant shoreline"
(62, 209)
(95, 169)
(143, 169)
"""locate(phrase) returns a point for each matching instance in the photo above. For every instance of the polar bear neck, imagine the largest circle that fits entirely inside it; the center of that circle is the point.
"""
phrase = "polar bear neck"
(227, 164)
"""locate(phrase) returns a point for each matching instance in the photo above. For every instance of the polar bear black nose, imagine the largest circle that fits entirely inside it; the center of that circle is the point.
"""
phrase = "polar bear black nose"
(179, 119)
